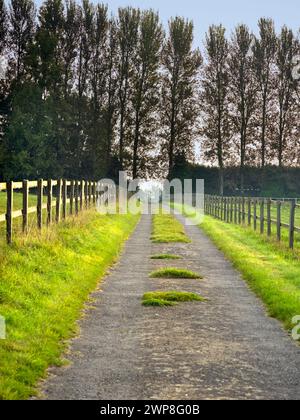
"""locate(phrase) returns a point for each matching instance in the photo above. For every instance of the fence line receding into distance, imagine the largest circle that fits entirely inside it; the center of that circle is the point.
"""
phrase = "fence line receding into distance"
(263, 214)
(66, 197)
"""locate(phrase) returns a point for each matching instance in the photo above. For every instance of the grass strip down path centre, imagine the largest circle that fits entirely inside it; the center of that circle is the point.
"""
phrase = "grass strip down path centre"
(167, 229)
(45, 281)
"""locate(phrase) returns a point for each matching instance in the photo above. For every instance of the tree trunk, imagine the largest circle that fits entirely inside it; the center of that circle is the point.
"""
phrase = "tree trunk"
(136, 146)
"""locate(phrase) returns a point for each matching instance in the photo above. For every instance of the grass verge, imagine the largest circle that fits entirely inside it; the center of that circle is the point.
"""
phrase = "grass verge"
(171, 298)
(174, 273)
(45, 281)
(166, 229)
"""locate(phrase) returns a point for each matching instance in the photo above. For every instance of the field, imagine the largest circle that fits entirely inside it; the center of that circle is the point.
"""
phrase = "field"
(18, 201)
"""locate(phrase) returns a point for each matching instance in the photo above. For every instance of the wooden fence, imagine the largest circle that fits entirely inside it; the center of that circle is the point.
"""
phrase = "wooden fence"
(260, 213)
(66, 197)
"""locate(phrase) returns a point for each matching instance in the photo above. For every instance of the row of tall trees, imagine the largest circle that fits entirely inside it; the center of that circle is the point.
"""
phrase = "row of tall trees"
(82, 95)
(250, 98)
(85, 94)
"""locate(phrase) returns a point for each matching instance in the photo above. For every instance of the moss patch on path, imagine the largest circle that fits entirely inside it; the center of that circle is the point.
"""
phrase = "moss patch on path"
(174, 273)
(166, 257)
(167, 229)
(169, 298)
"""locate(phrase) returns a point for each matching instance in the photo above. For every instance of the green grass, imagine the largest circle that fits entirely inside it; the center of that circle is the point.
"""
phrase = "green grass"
(166, 257)
(166, 229)
(45, 279)
(285, 213)
(18, 201)
(174, 273)
(271, 270)
(170, 298)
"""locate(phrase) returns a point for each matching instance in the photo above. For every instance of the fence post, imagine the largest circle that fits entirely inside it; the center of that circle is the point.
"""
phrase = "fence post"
(64, 198)
(249, 211)
(262, 215)
(76, 197)
(90, 193)
(81, 194)
(216, 207)
(255, 214)
(9, 210)
(292, 224)
(25, 206)
(221, 207)
(279, 221)
(94, 192)
(235, 210)
(40, 204)
(86, 187)
(72, 197)
(269, 223)
(227, 209)
(58, 200)
(239, 210)
(243, 210)
(49, 202)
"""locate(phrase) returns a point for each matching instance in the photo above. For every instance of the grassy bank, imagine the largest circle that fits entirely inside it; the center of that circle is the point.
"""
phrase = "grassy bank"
(45, 280)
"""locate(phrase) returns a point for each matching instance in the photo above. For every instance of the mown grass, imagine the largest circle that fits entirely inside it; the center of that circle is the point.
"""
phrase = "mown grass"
(170, 298)
(166, 228)
(45, 279)
(271, 270)
(166, 257)
(174, 273)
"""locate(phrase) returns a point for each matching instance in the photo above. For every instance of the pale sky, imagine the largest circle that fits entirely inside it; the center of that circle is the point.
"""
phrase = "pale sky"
(227, 12)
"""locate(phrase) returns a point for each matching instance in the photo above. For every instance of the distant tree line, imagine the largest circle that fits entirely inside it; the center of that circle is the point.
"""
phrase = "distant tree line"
(86, 94)
(276, 182)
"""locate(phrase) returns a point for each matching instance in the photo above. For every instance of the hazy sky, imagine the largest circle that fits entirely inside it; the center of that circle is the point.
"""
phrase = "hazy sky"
(228, 12)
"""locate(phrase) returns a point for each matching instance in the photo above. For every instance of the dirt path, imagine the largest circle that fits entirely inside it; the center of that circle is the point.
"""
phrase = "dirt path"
(224, 348)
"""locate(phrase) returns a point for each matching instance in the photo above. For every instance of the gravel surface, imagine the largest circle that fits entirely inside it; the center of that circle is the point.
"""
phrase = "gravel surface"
(224, 348)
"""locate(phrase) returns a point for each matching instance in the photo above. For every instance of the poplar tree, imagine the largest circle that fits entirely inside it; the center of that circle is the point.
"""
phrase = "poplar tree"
(21, 32)
(242, 93)
(264, 50)
(285, 94)
(215, 100)
(127, 34)
(145, 97)
(180, 79)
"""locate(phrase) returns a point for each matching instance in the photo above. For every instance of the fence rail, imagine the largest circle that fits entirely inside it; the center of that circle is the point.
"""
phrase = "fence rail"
(66, 197)
(260, 213)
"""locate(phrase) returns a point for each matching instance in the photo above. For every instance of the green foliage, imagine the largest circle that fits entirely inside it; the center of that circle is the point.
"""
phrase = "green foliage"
(31, 136)
(270, 182)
